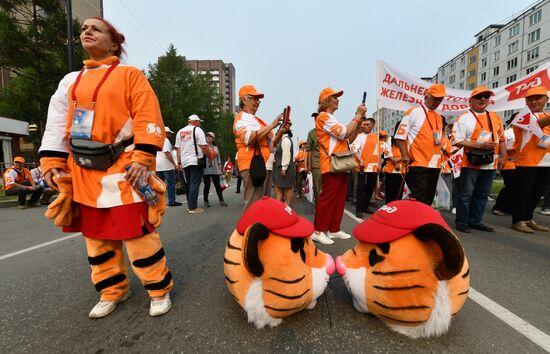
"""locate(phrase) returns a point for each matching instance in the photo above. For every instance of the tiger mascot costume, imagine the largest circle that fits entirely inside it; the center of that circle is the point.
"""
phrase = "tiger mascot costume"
(272, 268)
(408, 269)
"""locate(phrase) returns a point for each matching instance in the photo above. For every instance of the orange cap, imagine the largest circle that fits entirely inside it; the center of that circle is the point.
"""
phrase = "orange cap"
(250, 91)
(481, 89)
(19, 159)
(436, 90)
(327, 92)
(537, 90)
(383, 132)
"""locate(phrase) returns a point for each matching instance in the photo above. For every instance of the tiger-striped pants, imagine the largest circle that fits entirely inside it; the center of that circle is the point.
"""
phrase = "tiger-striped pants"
(109, 271)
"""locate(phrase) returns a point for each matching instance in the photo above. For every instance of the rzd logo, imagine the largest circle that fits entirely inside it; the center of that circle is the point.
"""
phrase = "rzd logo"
(388, 209)
(517, 90)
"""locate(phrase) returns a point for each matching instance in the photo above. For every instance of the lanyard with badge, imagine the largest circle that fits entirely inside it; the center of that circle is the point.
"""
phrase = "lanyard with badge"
(436, 132)
(544, 140)
(484, 135)
(83, 117)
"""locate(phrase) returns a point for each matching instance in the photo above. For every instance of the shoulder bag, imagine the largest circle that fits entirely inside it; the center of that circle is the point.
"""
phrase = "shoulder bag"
(341, 162)
(257, 170)
(201, 161)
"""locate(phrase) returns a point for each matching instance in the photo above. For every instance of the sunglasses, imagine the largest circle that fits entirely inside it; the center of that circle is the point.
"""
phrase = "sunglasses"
(483, 96)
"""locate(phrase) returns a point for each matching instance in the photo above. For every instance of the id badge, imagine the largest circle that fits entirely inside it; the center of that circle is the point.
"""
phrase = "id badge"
(83, 119)
(543, 142)
(484, 136)
(437, 138)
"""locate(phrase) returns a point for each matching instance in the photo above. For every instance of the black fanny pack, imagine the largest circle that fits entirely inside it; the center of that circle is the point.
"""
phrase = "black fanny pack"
(95, 155)
(480, 157)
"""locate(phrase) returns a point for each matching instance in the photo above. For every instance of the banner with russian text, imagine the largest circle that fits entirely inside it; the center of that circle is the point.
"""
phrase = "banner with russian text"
(400, 90)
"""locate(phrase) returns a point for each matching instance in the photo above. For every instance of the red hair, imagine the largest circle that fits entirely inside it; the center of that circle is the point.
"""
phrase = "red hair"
(116, 36)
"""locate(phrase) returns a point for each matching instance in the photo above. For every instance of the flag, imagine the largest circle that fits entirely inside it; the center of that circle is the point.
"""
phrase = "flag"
(456, 162)
(526, 120)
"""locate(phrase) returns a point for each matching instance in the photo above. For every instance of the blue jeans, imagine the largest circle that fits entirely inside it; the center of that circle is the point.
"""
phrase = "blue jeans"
(473, 188)
(193, 175)
(169, 177)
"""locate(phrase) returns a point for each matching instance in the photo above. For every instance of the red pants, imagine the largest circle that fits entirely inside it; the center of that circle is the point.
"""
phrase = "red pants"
(331, 202)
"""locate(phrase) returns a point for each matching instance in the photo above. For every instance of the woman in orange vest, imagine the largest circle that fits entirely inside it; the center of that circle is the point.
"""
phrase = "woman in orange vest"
(103, 131)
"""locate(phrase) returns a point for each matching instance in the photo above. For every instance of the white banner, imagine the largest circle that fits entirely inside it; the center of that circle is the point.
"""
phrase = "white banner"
(401, 91)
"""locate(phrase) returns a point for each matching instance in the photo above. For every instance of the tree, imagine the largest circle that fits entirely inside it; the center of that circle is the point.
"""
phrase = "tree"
(182, 93)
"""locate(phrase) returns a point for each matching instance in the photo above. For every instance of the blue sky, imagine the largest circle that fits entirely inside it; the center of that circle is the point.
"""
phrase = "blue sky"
(291, 50)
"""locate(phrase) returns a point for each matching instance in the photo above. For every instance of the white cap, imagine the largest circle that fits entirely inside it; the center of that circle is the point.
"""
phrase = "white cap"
(167, 129)
(211, 134)
(194, 117)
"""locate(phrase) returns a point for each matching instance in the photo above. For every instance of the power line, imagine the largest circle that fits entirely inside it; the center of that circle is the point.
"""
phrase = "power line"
(438, 15)
(143, 26)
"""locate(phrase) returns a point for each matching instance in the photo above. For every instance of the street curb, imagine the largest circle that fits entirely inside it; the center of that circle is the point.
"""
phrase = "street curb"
(8, 203)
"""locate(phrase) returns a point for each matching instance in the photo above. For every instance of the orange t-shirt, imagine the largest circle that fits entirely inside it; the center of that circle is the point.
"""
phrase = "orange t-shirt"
(331, 138)
(11, 176)
(394, 167)
(370, 153)
(300, 160)
(243, 126)
(528, 154)
(417, 129)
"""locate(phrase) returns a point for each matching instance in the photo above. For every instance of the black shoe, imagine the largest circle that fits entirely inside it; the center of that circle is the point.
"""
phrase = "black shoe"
(222, 203)
(206, 204)
(368, 211)
(237, 191)
(483, 227)
(359, 214)
(175, 204)
(463, 228)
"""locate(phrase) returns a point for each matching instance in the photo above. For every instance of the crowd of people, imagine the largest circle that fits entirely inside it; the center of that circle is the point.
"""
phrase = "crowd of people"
(106, 151)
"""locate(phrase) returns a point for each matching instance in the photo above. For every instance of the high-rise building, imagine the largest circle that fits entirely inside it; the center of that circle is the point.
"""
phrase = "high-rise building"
(502, 53)
(223, 76)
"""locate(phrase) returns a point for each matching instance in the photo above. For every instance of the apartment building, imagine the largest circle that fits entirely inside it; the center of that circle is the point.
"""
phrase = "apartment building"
(223, 76)
(502, 53)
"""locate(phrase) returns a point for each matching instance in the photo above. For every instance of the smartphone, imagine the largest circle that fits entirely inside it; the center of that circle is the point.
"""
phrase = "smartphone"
(286, 115)
(364, 97)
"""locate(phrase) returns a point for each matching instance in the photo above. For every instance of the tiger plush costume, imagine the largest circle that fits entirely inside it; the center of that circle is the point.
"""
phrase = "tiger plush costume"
(272, 268)
(408, 269)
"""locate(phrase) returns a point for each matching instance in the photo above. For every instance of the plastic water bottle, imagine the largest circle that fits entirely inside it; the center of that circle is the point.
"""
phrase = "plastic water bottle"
(144, 190)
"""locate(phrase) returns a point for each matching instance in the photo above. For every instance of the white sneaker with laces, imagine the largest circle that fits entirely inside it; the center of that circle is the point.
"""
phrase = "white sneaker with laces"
(160, 307)
(545, 211)
(103, 308)
(453, 211)
(322, 238)
(339, 234)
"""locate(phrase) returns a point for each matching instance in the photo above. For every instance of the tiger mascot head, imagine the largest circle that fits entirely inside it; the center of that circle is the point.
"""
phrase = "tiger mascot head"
(272, 268)
(408, 268)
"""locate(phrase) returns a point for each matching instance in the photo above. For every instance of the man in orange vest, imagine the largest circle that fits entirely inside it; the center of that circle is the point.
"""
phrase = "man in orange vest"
(18, 181)
(300, 163)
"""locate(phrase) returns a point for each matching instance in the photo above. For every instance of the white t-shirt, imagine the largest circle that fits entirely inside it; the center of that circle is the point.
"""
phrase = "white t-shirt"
(163, 164)
(184, 141)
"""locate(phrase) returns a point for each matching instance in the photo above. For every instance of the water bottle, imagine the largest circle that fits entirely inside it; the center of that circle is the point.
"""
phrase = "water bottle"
(144, 190)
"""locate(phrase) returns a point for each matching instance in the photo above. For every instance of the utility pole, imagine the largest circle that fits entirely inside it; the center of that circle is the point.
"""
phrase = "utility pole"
(70, 48)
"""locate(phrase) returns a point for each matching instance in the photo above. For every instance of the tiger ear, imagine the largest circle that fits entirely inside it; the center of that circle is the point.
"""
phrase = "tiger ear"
(253, 235)
(453, 253)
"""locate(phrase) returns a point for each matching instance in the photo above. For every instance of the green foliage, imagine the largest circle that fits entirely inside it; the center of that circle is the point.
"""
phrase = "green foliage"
(33, 45)
(181, 94)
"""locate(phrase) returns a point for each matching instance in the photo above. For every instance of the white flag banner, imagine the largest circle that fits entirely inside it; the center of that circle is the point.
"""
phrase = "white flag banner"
(456, 162)
(526, 120)
(400, 90)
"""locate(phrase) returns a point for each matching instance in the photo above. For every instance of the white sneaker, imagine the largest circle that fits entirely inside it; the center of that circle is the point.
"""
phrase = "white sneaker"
(322, 238)
(545, 211)
(103, 308)
(196, 211)
(160, 307)
(339, 234)
(453, 211)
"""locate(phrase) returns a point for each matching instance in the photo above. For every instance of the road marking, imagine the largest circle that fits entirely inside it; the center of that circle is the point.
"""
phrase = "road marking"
(523, 327)
(9, 255)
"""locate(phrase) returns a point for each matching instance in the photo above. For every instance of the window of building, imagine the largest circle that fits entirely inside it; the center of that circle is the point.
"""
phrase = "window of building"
(535, 17)
(533, 54)
(483, 62)
(483, 77)
(533, 36)
(442, 82)
(462, 61)
(462, 74)
(513, 31)
(512, 63)
(461, 86)
(473, 58)
(495, 71)
(442, 72)
(511, 78)
(494, 84)
(453, 66)
(513, 47)
(452, 80)
(472, 73)
(497, 41)
(496, 56)
(531, 69)
(471, 86)
(484, 48)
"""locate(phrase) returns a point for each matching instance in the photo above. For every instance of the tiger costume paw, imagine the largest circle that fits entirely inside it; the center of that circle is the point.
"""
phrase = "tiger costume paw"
(156, 212)
(62, 210)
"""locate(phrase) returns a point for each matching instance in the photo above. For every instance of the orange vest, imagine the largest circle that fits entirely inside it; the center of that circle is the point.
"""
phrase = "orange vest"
(243, 126)
(528, 154)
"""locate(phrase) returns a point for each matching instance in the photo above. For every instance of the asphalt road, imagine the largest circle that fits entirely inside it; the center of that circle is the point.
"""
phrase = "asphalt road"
(47, 295)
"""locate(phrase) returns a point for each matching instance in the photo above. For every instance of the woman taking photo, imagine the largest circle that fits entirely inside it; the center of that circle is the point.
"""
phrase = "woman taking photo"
(333, 138)
(103, 130)
(212, 171)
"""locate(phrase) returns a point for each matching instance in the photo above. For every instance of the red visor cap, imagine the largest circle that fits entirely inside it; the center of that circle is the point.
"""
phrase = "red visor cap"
(395, 220)
(278, 217)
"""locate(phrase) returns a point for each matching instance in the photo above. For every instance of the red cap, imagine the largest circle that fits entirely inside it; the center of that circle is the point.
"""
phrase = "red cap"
(395, 220)
(278, 217)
